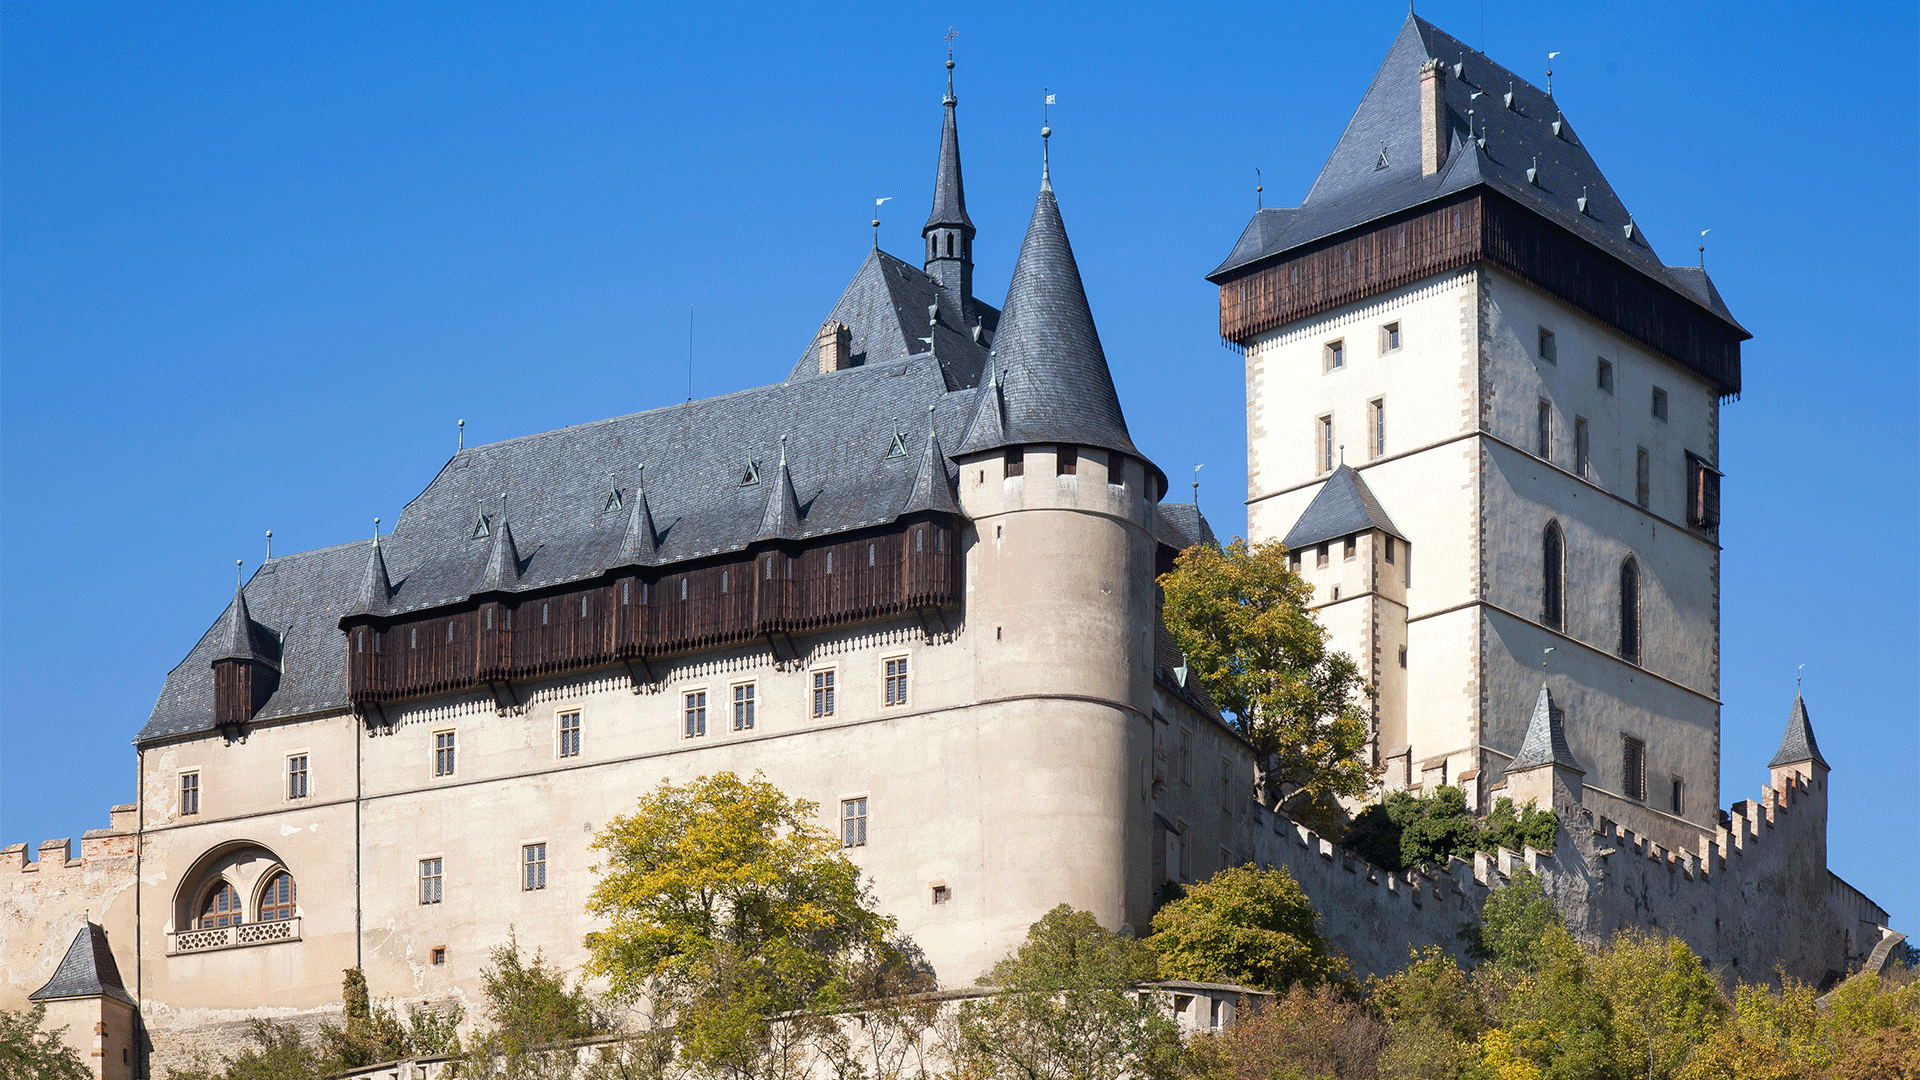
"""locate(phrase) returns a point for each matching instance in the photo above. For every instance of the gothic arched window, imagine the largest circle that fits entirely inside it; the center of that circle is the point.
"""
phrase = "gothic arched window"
(1553, 592)
(276, 900)
(221, 907)
(949, 243)
(1630, 611)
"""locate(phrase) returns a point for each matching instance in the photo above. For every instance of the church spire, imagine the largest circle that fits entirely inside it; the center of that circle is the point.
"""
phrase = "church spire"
(949, 232)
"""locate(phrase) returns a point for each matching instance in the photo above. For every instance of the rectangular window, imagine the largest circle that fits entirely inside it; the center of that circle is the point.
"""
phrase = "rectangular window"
(696, 714)
(1603, 374)
(533, 861)
(429, 881)
(189, 793)
(1334, 356)
(1679, 797)
(1350, 548)
(1642, 477)
(897, 681)
(297, 776)
(1389, 338)
(853, 823)
(1659, 404)
(1067, 461)
(443, 753)
(823, 693)
(941, 894)
(1016, 462)
(1703, 494)
(1376, 427)
(1323, 444)
(743, 707)
(1320, 557)
(1293, 560)
(1543, 434)
(439, 955)
(1582, 449)
(1547, 350)
(569, 734)
(1633, 769)
(1386, 548)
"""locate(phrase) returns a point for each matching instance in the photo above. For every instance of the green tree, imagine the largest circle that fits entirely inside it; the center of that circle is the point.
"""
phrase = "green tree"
(375, 1033)
(1242, 619)
(277, 1053)
(535, 1015)
(1514, 923)
(26, 1050)
(1555, 1016)
(1663, 1001)
(1435, 1013)
(1518, 828)
(1067, 1009)
(1303, 1033)
(1412, 829)
(1244, 925)
(729, 905)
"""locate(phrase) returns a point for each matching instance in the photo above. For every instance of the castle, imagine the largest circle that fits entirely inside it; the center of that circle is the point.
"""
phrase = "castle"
(914, 583)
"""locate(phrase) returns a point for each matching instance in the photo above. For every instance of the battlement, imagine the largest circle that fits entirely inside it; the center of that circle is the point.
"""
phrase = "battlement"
(117, 841)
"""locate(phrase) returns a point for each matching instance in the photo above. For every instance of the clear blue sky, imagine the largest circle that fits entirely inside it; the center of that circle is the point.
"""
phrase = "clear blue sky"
(256, 259)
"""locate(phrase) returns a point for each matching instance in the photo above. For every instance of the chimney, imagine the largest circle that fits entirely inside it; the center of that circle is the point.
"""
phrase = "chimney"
(1433, 117)
(835, 342)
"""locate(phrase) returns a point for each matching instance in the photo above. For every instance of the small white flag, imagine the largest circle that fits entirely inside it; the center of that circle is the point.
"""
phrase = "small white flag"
(1050, 98)
(1551, 55)
(877, 202)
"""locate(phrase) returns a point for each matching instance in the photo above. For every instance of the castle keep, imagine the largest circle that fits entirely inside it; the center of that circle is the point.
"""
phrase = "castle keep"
(914, 583)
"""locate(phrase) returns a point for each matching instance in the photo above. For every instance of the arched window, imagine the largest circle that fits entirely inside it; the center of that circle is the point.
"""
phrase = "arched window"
(221, 907)
(276, 900)
(949, 243)
(1553, 592)
(1630, 611)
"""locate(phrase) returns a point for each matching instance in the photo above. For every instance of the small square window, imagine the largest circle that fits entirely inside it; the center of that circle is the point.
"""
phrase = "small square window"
(743, 707)
(189, 793)
(823, 693)
(1389, 337)
(1016, 462)
(1659, 404)
(1067, 461)
(1350, 548)
(430, 874)
(1603, 374)
(897, 681)
(1320, 557)
(439, 955)
(443, 746)
(533, 862)
(1334, 355)
(1548, 351)
(941, 894)
(853, 823)
(696, 714)
(297, 776)
(570, 734)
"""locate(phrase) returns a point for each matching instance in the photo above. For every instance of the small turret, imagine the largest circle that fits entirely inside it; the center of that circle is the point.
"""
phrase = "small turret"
(502, 572)
(640, 543)
(244, 674)
(1799, 754)
(781, 518)
(1544, 771)
(376, 588)
(949, 232)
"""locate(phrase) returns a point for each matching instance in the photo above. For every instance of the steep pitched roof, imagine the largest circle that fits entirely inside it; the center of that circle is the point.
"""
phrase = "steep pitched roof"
(239, 636)
(1344, 506)
(1516, 127)
(885, 307)
(376, 587)
(639, 543)
(949, 194)
(780, 518)
(87, 970)
(1182, 525)
(1054, 384)
(502, 570)
(1546, 741)
(1798, 744)
(932, 484)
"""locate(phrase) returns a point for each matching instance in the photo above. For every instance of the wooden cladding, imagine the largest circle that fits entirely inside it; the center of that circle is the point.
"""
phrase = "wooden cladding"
(1490, 227)
(639, 613)
(240, 687)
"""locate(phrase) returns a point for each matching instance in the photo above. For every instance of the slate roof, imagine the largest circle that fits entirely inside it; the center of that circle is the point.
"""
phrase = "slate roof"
(949, 194)
(87, 970)
(1798, 744)
(1051, 383)
(1546, 741)
(1518, 134)
(1182, 525)
(1344, 506)
(885, 305)
(240, 637)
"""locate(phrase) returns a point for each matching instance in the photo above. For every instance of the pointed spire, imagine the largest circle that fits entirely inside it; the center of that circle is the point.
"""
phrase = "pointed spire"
(1546, 741)
(932, 490)
(236, 629)
(1052, 383)
(949, 194)
(986, 426)
(1797, 744)
(640, 543)
(376, 588)
(87, 970)
(781, 518)
(502, 572)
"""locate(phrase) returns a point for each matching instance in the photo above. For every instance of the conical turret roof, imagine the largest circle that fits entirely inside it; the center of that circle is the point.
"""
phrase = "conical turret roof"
(1798, 745)
(86, 971)
(376, 588)
(640, 543)
(1546, 741)
(781, 518)
(1054, 385)
(932, 488)
(236, 631)
(949, 195)
(502, 572)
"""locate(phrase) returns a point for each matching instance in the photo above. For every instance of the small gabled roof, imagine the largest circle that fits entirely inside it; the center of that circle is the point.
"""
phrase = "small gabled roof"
(640, 543)
(1797, 744)
(502, 571)
(237, 632)
(780, 519)
(1344, 506)
(932, 484)
(87, 970)
(1546, 741)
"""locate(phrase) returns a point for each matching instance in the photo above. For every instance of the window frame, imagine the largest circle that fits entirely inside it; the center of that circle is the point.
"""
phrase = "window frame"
(1377, 428)
(1548, 348)
(300, 780)
(1015, 461)
(1643, 478)
(1390, 339)
(446, 747)
(1630, 611)
(1553, 577)
(234, 915)
(693, 713)
(1333, 355)
(895, 674)
(283, 910)
(852, 822)
(1543, 432)
(1703, 494)
(744, 702)
(432, 884)
(825, 686)
(1323, 444)
(1657, 404)
(1633, 752)
(533, 866)
(190, 786)
(1582, 448)
(1603, 374)
(567, 735)
(1066, 460)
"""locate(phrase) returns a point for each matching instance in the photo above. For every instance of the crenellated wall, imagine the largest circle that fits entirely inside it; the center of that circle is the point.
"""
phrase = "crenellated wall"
(45, 902)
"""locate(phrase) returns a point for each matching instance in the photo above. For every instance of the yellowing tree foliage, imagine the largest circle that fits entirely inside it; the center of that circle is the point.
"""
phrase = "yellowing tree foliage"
(1241, 618)
(1244, 925)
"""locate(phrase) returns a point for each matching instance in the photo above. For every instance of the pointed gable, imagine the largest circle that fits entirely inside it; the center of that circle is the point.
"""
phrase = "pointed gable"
(639, 544)
(1053, 382)
(502, 571)
(1797, 744)
(86, 971)
(884, 309)
(1546, 740)
(932, 486)
(780, 520)
(237, 640)
(376, 588)
(1344, 506)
